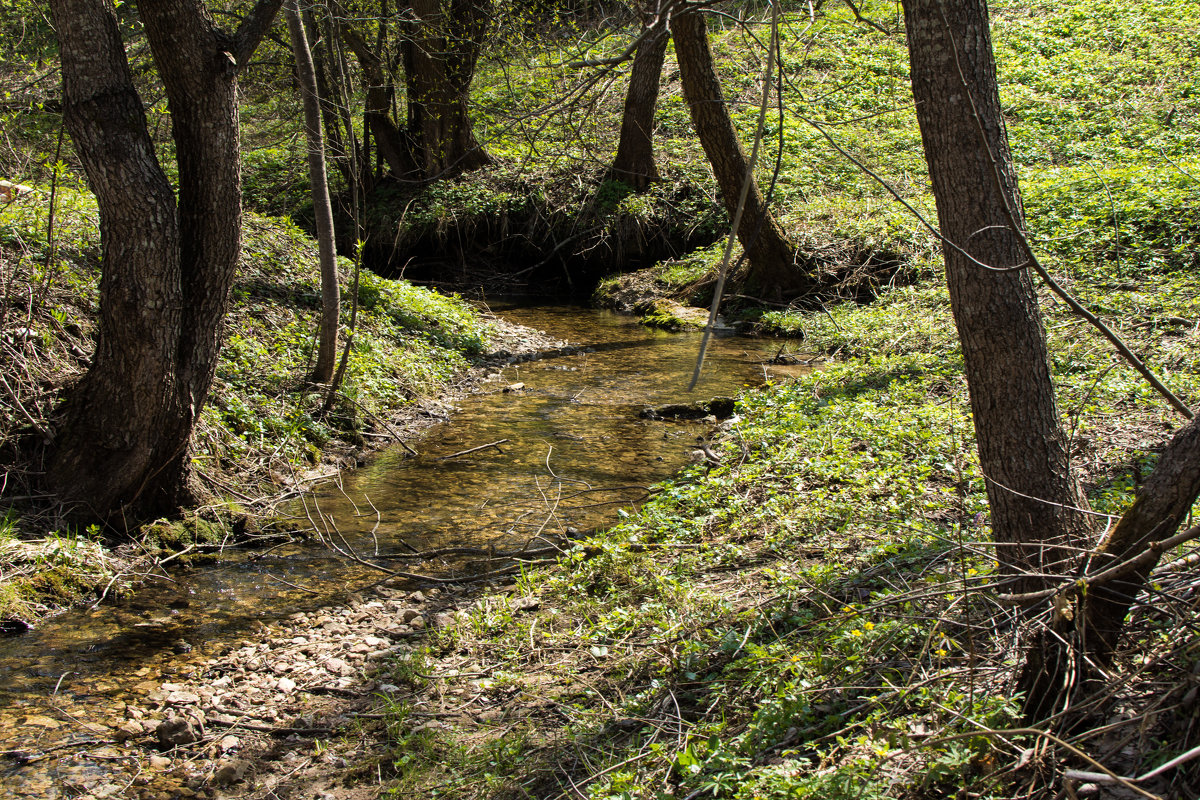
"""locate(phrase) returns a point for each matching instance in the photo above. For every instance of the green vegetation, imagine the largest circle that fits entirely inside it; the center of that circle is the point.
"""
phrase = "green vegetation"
(262, 429)
(811, 617)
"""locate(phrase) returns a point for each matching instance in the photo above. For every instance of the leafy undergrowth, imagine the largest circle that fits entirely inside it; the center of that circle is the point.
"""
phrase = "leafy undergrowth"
(261, 432)
(1101, 106)
(817, 616)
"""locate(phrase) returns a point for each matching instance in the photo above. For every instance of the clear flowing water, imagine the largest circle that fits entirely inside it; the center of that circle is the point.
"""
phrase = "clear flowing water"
(577, 450)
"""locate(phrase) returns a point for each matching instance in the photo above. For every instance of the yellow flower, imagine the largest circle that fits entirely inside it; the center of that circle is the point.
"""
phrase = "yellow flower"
(972, 571)
(856, 632)
(848, 610)
(869, 625)
(940, 652)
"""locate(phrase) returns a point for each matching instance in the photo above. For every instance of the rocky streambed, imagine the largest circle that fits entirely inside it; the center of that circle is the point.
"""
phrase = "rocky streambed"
(261, 678)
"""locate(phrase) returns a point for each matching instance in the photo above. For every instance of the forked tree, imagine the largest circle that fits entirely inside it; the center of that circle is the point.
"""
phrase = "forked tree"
(122, 452)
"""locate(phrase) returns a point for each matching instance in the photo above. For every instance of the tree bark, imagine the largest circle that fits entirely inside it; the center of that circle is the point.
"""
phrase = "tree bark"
(123, 452)
(773, 269)
(634, 163)
(1035, 501)
(120, 425)
(1063, 659)
(440, 54)
(393, 144)
(327, 339)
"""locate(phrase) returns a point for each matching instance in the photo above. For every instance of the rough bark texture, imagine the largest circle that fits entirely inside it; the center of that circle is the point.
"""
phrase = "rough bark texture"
(111, 443)
(634, 163)
(1022, 448)
(1060, 663)
(322, 208)
(167, 267)
(440, 54)
(773, 269)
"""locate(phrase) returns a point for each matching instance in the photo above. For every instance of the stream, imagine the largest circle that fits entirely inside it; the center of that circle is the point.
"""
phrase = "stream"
(576, 451)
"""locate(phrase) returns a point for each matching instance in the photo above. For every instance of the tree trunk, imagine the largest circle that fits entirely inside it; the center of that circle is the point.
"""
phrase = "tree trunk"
(1034, 499)
(440, 55)
(773, 269)
(121, 425)
(123, 452)
(322, 209)
(1063, 659)
(392, 143)
(634, 163)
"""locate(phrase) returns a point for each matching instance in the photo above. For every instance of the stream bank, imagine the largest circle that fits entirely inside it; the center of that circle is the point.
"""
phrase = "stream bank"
(104, 701)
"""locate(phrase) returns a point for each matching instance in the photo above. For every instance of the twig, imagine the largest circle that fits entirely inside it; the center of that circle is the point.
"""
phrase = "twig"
(495, 444)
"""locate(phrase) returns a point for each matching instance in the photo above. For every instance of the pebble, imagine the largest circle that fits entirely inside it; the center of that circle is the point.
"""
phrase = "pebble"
(230, 771)
(179, 731)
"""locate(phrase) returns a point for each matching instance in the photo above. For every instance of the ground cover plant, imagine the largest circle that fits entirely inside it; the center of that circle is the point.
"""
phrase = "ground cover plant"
(816, 615)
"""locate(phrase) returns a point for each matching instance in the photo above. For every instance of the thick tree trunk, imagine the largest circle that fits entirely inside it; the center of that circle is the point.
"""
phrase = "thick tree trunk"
(167, 269)
(122, 425)
(322, 208)
(634, 163)
(1022, 449)
(773, 269)
(440, 54)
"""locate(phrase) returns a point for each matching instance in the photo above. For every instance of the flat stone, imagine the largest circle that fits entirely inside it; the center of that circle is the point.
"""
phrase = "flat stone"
(230, 771)
(286, 685)
(183, 698)
(132, 729)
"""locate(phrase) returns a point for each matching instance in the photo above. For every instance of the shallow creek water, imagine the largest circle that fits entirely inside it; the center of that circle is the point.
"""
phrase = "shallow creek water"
(577, 450)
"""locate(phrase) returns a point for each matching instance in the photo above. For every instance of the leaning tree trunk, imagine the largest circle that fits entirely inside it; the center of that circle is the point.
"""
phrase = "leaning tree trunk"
(773, 268)
(1035, 502)
(322, 208)
(634, 163)
(393, 143)
(121, 425)
(440, 55)
(123, 453)
(1064, 658)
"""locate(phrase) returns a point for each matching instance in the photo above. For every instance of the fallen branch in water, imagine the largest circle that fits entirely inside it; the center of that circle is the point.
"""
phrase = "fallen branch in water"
(495, 444)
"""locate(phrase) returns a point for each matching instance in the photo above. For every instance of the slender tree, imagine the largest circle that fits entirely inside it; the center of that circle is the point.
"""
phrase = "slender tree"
(634, 162)
(322, 207)
(773, 268)
(1039, 518)
(122, 449)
